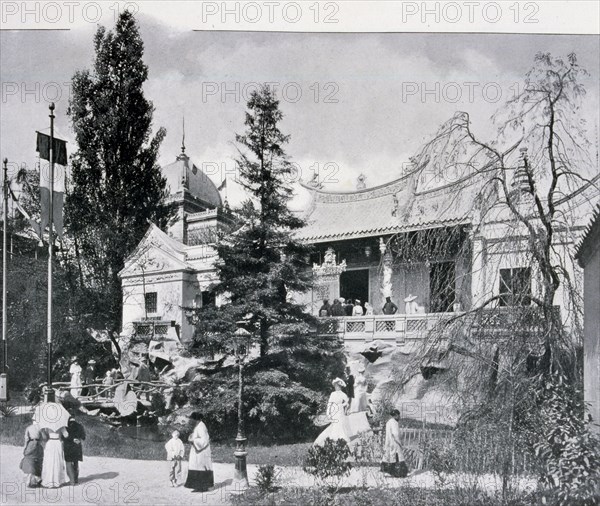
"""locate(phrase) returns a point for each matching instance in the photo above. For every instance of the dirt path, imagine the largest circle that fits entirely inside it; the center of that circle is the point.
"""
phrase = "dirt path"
(106, 480)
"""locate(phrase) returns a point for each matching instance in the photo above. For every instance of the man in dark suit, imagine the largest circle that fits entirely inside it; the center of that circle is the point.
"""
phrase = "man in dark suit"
(73, 449)
(349, 384)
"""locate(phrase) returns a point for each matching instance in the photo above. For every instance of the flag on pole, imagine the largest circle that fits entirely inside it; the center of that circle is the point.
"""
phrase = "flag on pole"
(59, 148)
(34, 224)
(59, 154)
(223, 184)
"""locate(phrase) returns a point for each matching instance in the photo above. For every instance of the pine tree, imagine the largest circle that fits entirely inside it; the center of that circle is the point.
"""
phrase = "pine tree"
(117, 185)
(262, 263)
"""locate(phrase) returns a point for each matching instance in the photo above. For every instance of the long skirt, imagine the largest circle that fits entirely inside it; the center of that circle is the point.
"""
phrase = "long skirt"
(32, 458)
(397, 469)
(200, 480)
(54, 470)
(200, 475)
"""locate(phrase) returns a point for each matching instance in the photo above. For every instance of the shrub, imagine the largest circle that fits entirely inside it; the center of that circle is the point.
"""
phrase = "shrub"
(266, 478)
(329, 463)
(277, 409)
(569, 452)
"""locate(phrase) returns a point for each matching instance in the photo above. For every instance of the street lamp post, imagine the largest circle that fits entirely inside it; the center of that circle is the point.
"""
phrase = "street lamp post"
(240, 477)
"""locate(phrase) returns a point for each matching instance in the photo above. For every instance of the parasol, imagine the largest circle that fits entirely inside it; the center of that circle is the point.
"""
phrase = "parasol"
(51, 415)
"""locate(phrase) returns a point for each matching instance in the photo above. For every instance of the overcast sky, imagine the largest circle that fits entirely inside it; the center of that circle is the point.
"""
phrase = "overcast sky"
(367, 103)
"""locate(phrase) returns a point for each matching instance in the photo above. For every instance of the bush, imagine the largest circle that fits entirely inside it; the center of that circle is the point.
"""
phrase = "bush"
(569, 452)
(329, 463)
(277, 409)
(266, 478)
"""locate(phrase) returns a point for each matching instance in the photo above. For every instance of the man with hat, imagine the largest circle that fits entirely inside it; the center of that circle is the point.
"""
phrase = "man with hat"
(389, 307)
(89, 377)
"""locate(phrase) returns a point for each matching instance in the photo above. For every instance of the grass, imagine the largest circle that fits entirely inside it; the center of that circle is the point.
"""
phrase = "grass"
(149, 443)
(402, 496)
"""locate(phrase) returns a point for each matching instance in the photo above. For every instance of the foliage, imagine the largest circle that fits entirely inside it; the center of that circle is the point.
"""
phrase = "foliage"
(27, 280)
(570, 452)
(278, 407)
(117, 186)
(498, 358)
(6, 410)
(261, 264)
(441, 460)
(386, 496)
(329, 463)
(266, 478)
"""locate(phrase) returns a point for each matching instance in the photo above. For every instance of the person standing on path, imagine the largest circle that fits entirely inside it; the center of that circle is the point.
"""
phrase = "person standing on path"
(200, 471)
(54, 471)
(175, 451)
(75, 372)
(33, 454)
(73, 449)
(393, 461)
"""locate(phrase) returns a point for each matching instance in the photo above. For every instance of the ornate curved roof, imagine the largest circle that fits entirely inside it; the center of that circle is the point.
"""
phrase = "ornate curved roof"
(389, 208)
(183, 176)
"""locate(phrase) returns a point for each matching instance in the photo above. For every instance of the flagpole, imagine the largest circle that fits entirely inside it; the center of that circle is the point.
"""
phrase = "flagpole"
(4, 376)
(4, 266)
(49, 394)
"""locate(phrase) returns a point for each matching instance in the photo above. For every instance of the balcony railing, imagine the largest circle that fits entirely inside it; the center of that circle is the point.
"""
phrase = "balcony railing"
(492, 323)
(397, 328)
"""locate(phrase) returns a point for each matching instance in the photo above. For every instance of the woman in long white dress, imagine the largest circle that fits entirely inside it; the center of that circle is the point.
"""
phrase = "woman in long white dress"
(75, 372)
(54, 469)
(337, 408)
(200, 471)
(359, 402)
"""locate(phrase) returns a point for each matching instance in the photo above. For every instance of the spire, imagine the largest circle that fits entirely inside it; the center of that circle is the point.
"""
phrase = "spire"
(183, 136)
(521, 177)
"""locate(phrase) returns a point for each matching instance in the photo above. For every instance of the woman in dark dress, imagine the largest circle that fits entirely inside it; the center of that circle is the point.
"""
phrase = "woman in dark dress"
(33, 455)
(73, 449)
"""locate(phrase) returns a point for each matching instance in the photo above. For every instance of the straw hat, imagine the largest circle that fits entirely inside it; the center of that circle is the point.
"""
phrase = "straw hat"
(410, 298)
(340, 382)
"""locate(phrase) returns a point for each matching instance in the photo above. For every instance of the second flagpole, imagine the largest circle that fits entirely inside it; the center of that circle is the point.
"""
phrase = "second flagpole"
(49, 394)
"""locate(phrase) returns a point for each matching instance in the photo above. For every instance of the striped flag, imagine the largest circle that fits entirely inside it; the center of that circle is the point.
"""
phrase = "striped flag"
(59, 154)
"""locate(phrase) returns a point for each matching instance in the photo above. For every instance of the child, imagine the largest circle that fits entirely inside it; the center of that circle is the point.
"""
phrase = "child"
(175, 451)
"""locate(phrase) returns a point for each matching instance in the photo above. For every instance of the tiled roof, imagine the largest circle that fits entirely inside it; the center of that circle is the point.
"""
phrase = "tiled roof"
(589, 242)
(387, 209)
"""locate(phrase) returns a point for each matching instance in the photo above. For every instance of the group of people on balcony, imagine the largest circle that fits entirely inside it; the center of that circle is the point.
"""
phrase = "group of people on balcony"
(342, 307)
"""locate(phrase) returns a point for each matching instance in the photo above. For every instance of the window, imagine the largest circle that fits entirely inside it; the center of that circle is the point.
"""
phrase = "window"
(151, 302)
(515, 287)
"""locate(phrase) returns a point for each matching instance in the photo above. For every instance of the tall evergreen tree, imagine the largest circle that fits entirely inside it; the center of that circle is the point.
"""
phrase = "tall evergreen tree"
(117, 185)
(262, 263)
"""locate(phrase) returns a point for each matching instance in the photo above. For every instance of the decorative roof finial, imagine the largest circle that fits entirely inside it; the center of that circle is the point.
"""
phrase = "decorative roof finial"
(183, 135)
(360, 182)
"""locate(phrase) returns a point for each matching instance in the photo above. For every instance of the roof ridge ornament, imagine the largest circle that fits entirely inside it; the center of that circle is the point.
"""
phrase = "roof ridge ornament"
(360, 182)
(329, 269)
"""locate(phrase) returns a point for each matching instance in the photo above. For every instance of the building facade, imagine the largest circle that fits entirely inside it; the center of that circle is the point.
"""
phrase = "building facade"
(588, 254)
(438, 241)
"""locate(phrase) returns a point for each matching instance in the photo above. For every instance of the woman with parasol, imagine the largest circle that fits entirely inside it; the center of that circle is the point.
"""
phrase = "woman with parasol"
(53, 419)
(336, 414)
